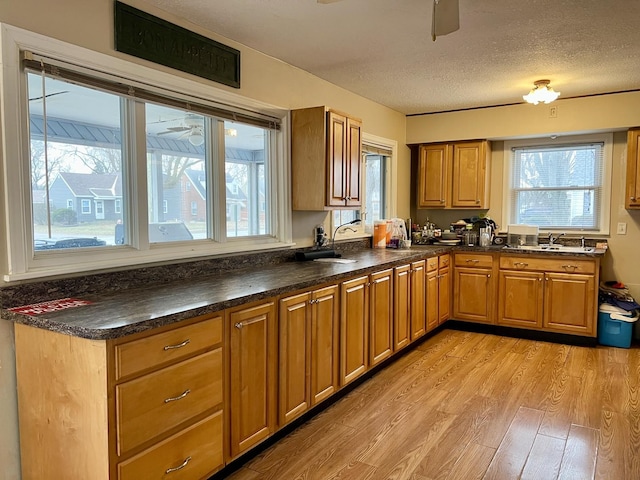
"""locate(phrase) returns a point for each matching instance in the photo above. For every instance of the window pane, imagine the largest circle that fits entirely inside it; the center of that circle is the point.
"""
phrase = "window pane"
(247, 199)
(374, 193)
(557, 187)
(176, 174)
(76, 164)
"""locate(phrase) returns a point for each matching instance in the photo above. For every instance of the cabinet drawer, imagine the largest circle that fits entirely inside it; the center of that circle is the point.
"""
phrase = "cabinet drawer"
(432, 264)
(444, 260)
(195, 452)
(472, 260)
(152, 404)
(561, 265)
(155, 350)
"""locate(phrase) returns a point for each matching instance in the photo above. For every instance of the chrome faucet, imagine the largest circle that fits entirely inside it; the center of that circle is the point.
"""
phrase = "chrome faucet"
(552, 240)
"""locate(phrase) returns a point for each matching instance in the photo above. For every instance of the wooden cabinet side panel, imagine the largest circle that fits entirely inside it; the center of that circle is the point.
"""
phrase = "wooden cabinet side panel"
(402, 307)
(253, 372)
(294, 357)
(354, 335)
(632, 196)
(308, 158)
(62, 405)
(381, 316)
(325, 338)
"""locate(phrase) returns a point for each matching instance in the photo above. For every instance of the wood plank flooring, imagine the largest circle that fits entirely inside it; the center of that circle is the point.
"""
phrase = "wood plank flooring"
(473, 406)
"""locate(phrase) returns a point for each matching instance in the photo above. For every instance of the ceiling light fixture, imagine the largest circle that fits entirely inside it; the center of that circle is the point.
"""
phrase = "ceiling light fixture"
(541, 92)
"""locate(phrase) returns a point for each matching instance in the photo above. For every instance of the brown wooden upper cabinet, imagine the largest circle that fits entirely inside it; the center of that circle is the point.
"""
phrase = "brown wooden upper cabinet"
(632, 199)
(454, 175)
(326, 149)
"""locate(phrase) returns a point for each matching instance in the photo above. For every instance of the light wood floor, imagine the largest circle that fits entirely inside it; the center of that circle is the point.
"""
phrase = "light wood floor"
(473, 406)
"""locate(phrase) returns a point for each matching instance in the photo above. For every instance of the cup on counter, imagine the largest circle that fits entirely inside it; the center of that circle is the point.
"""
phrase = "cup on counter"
(485, 237)
(470, 238)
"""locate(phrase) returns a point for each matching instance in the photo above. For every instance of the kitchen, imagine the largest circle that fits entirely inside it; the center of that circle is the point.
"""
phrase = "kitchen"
(90, 25)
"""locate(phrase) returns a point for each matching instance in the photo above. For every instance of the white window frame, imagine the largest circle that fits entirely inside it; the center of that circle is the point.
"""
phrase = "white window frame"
(117, 206)
(21, 263)
(85, 206)
(390, 187)
(607, 157)
(69, 204)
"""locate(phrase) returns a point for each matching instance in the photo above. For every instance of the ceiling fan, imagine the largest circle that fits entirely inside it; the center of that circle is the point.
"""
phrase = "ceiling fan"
(445, 18)
(192, 128)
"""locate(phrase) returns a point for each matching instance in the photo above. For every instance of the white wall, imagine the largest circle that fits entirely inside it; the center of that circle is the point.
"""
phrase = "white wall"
(90, 24)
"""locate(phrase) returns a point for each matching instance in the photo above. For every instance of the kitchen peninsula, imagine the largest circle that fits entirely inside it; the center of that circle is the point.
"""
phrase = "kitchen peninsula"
(191, 373)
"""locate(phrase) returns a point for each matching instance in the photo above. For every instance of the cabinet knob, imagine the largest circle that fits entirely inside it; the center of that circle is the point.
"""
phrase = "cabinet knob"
(633, 199)
(520, 264)
(477, 201)
(489, 275)
(442, 200)
(570, 267)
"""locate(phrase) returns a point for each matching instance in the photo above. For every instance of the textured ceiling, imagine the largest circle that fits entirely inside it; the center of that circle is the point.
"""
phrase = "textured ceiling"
(382, 49)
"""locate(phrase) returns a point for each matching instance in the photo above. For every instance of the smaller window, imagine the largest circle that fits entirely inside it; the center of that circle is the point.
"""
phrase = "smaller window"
(70, 204)
(165, 206)
(194, 209)
(187, 186)
(86, 206)
(118, 206)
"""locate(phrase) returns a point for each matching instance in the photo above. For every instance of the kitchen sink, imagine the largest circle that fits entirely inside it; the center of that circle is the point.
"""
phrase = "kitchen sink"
(545, 247)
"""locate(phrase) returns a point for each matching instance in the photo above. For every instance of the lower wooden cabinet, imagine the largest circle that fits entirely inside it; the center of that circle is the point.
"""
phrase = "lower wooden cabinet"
(401, 307)
(418, 299)
(308, 350)
(140, 406)
(474, 288)
(444, 288)
(354, 329)
(380, 316)
(432, 301)
(551, 294)
(252, 378)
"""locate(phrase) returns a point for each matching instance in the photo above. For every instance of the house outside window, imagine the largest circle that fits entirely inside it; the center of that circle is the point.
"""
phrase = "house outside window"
(70, 204)
(86, 206)
(561, 185)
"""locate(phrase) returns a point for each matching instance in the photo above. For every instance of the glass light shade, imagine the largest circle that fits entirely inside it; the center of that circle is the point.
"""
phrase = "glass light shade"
(541, 92)
(196, 138)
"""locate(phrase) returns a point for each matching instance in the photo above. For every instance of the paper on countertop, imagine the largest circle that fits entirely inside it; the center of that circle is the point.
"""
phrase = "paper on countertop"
(334, 260)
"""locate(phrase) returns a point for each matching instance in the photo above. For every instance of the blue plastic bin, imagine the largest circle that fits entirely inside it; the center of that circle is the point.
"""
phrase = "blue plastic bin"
(615, 326)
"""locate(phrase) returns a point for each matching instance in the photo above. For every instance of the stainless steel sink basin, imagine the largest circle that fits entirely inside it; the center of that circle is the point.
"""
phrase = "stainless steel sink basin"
(543, 247)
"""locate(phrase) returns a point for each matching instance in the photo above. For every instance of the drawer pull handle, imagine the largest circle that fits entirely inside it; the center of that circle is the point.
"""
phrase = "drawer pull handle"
(246, 323)
(572, 267)
(521, 264)
(179, 397)
(179, 467)
(179, 345)
(472, 260)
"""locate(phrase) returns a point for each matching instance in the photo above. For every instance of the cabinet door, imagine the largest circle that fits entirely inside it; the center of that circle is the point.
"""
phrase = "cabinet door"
(433, 176)
(354, 332)
(401, 306)
(444, 295)
(294, 349)
(432, 302)
(354, 162)
(324, 343)
(380, 316)
(520, 297)
(473, 294)
(570, 303)
(418, 297)
(469, 175)
(632, 198)
(337, 174)
(253, 373)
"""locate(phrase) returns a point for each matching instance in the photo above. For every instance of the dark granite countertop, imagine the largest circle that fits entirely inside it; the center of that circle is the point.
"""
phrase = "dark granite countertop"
(119, 313)
(138, 309)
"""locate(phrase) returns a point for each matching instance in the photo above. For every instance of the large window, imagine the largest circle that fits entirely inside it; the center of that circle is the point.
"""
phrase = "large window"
(138, 172)
(559, 186)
